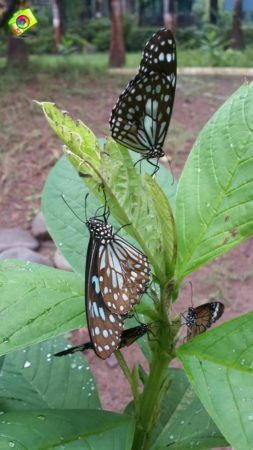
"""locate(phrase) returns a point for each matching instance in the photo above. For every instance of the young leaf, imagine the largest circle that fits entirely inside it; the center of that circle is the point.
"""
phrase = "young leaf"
(183, 422)
(37, 302)
(78, 429)
(165, 226)
(219, 365)
(33, 378)
(214, 205)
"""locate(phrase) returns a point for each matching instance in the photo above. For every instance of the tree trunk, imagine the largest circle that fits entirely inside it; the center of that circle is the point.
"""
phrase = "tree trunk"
(213, 11)
(117, 47)
(17, 55)
(169, 14)
(237, 40)
(56, 23)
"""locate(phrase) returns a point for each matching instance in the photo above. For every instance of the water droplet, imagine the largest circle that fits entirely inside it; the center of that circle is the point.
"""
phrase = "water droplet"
(80, 367)
(83, 388)
(233, 350)
(73, 365)
(171, 436)
(5, 340)
(242, 362)
(49, 355)
(198, 170)
(27, 364)
(60, 244)
(93, 388)
(182, 422)
(61, 438)
(250, 417)
(208, 205)
(1, 412)
(11, 444)
(40, 417)
(89, 394)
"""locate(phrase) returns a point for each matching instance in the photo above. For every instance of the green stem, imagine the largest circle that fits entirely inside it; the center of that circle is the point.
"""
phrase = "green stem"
(157, 381)
(131, 379)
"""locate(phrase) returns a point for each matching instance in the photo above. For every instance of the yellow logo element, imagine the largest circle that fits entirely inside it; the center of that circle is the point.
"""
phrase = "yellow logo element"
(21, 21)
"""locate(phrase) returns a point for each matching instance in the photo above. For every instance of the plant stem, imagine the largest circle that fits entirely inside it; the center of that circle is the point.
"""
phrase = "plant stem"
(157, 381)
(131, 379)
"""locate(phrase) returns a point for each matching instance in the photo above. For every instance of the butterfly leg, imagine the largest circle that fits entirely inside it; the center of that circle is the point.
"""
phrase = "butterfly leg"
(154, 165)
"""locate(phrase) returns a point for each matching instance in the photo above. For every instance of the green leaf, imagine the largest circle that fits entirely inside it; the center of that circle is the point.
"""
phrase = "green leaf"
(33, 378)
(219, 365)
(70, 429)
(165, 224)
(113, 169)
(183, 423)
(37, 302)
(68, 232)
(214, 205)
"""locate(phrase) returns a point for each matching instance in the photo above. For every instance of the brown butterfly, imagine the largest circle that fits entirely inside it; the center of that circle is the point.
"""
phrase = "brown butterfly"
(128, 338)
(201, 318)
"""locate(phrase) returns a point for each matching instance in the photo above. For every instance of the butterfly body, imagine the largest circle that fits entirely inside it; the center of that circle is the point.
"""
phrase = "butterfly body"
(202, 317)
(128, 338)
(141, 116)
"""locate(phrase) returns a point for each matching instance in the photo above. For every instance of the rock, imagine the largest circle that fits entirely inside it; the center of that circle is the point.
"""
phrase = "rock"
(39, 228)
(61, 262)
(16, 237)
(26, 255)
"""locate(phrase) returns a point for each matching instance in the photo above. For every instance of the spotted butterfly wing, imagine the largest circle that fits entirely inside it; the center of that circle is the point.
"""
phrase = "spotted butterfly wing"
(105, 327)
(128, 338)
(202, 317)
(117, 274)
(125, 274)
(141, 116)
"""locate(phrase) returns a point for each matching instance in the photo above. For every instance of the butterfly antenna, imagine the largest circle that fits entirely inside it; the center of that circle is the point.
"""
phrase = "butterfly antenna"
(71, 209)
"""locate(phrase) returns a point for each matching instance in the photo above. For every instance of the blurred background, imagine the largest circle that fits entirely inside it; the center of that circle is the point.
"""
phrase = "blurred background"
(81, 54)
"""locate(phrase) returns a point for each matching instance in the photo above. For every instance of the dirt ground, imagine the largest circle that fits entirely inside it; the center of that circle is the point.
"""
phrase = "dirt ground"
(28, 149)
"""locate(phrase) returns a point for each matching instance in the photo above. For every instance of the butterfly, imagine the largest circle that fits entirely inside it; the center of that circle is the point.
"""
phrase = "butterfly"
(202, 317)
(141, 116)
(117, 275)
(128, 338)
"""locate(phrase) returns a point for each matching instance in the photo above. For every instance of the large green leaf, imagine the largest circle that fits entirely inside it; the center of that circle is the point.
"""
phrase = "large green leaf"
(33, 378)
(183, 423)
(37, 302)
(214, 205)
(219, 365)
(129, 199)
(66, 429)
(68, 232)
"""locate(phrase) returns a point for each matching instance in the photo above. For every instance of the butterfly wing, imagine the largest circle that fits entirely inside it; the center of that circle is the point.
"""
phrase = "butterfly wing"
(105, 327)
(205, 316)
(132, 334)
(125, 273)
(141, 117)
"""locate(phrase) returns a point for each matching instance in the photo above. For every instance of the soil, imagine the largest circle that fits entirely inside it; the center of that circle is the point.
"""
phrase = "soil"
(29, 149)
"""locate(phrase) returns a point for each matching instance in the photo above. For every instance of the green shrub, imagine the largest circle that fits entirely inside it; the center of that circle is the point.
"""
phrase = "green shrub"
(49, 402)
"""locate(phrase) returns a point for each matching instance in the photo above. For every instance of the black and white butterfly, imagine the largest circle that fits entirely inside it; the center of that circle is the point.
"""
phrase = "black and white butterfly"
(201, 318)
(128, 337)
(117, 275)
(141, 116)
